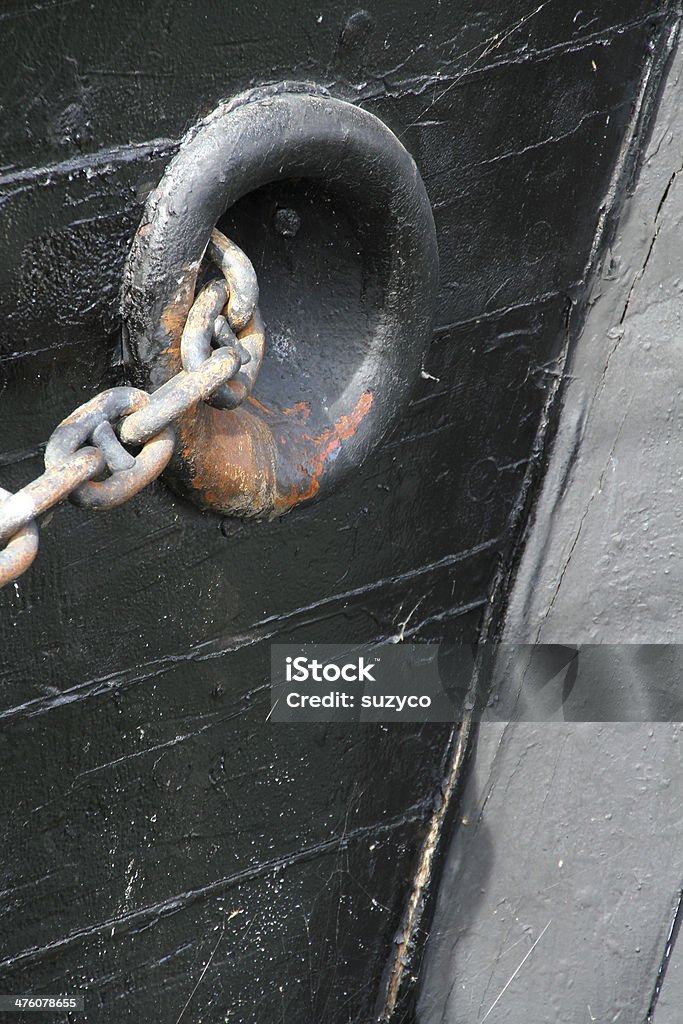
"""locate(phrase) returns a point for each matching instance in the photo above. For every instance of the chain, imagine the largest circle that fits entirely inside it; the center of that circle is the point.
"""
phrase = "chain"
(85, 457)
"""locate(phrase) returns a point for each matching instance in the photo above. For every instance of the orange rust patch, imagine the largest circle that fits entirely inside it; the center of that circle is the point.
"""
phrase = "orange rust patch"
(322, 447)
(174, 316)
(300, 409)
(259, 405)
(230, 462)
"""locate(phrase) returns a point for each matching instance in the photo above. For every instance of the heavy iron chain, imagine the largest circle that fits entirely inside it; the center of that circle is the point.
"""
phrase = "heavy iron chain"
(85, 458)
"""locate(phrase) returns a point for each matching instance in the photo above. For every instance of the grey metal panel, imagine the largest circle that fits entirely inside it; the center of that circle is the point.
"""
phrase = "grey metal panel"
(563, 876)
(604, 562)
(569, 838)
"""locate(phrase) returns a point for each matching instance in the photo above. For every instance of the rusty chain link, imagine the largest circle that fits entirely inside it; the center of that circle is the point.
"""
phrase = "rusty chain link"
(89, 443)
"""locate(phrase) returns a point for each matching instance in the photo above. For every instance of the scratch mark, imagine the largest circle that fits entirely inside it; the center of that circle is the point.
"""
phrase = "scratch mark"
(36, 9)
(233, 914)
(174, 904)
(639, 275)
(410, 574)
(671, 937)
(99, 161)
(448, 613)
(490, 45)
(603, 37)
(515, 973)
(402, 625)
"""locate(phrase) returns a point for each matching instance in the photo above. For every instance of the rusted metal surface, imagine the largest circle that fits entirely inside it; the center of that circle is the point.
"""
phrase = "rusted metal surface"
(48, 490)
(268, 455)
(240, 276)
(205, 324)
(21, 549)
(178, 396)
(124, 483)
(260, 459)
(115, 455)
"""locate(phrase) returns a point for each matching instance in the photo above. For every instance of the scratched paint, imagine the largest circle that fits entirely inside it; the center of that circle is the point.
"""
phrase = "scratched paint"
(134, 655)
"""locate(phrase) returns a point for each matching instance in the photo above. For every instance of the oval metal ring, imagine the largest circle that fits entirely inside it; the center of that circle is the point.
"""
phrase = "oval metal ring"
(77, 428)
(20, 551)
(262, 458)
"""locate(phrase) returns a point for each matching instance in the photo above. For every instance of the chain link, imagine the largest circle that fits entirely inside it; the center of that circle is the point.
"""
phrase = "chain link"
(89, 443)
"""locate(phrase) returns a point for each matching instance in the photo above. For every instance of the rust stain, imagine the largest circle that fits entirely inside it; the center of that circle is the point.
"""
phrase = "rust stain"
(238, 464)
(253, 460)
(231, 458)
(321, 448)
(173, 318)
(300, 409)
(259, 405)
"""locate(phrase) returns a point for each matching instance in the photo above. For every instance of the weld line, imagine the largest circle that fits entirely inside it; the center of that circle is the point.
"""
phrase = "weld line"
(671, 937)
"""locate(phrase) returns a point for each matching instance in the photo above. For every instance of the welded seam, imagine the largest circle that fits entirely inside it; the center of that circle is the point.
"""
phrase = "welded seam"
(404, 942)
(669, 945)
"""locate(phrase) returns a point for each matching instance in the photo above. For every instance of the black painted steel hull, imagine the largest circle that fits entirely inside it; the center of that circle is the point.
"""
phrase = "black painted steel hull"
(167, 851)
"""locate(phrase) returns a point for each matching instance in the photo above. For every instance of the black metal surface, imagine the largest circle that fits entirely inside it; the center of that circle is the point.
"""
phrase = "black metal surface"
(148, 810)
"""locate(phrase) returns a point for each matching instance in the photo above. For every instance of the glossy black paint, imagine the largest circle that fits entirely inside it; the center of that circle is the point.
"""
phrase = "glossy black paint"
(149, 811)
